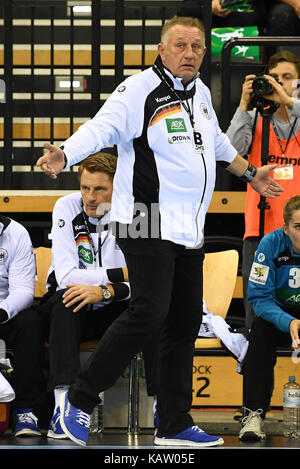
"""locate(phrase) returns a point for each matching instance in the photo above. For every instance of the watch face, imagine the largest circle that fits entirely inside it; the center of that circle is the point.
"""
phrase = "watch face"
(106, 294)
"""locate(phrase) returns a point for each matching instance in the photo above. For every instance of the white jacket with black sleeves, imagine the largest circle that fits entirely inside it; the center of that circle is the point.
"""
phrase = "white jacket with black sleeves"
(159, 163)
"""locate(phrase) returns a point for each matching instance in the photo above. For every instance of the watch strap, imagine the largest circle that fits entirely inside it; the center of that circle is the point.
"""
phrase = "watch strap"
(249, 174)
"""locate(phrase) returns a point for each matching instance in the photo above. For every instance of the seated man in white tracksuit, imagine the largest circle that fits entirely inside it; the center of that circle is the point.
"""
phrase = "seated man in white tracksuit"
(20, 326)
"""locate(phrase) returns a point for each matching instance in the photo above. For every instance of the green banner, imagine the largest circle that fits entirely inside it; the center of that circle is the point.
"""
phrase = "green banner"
(219, 36)
(240, 6)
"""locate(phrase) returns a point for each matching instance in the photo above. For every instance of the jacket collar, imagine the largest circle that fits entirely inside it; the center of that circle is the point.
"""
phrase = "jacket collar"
(4, 222)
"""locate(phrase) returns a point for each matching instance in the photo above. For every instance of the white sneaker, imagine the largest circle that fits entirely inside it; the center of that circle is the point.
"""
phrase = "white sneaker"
(252, 426)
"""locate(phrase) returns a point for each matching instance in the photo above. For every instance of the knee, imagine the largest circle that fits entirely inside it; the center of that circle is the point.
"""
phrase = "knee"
(58, 308)
(262, 332)
(27, 327)
(149, 316)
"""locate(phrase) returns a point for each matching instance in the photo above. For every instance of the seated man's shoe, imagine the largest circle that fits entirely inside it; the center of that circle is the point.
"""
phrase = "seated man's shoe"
(155, 422)
(192, 436)
(74, 422)
(55, 430)
(252, 429)
(26, 423)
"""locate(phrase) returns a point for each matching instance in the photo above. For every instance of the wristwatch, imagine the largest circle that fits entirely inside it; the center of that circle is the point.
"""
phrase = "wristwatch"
(106, 293)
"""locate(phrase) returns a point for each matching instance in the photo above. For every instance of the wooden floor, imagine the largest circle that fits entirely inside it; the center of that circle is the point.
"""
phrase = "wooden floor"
(116, 439)
(118, 448)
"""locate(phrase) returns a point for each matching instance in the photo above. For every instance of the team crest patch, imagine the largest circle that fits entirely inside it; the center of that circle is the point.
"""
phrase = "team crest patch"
(261, 257)
(3, 255)
(121, 89)
(204, 111)
(259, 273)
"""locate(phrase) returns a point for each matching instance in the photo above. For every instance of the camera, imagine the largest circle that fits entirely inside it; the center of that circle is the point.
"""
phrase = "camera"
(261, 87)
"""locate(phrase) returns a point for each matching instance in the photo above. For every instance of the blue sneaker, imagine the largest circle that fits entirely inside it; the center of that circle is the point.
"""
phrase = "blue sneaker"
(55, 430)
(74, 422)
(192, 436)
(26, 423)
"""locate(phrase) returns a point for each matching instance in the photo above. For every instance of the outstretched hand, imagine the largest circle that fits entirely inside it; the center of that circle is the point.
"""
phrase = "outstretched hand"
(53, 162)
(264, 184)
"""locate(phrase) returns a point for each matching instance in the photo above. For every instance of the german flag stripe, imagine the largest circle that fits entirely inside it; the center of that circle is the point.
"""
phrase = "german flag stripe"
(82, 239)
(164, 112)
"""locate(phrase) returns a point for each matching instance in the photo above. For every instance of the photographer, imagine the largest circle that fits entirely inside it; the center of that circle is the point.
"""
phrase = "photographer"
(245, 133)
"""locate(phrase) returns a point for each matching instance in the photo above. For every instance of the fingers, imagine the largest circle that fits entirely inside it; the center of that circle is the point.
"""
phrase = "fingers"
(295, 339)
(249, 78)
(274, 186)
(296, 343)
(273, 190)
(294, 332)
(269, 194)
(265, 173)
(70, 298)
(82, 295)
(42, 163)
(223, 13)
(79, 306)
(49, 146)
(70, 294)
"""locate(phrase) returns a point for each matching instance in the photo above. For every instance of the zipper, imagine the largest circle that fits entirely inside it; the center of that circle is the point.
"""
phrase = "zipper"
(202, 197)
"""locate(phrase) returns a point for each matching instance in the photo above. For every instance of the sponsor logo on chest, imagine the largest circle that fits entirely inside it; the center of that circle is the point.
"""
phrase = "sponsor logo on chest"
(176, 125)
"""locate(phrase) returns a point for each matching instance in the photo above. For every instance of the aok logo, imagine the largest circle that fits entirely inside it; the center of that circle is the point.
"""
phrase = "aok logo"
(85, 254)
(294, 299)
(175, 125)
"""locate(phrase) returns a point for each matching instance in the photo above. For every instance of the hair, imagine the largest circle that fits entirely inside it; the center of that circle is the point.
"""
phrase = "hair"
(284, 56)
(99, 162)
(290, 207)
(182, 21)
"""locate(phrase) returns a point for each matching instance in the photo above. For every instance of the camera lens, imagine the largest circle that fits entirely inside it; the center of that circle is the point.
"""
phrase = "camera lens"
(261, 86)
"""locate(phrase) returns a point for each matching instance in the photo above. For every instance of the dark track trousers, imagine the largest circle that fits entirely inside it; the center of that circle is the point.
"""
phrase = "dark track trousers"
(166, 300)
(65, 330)
(259, 363)
(25, 346)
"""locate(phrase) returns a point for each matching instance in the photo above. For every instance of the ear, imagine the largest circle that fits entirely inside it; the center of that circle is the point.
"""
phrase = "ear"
(160, 48)
(285, 229)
